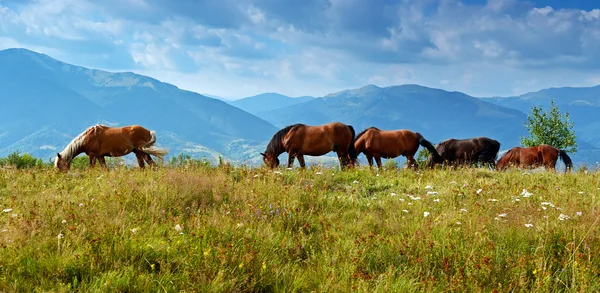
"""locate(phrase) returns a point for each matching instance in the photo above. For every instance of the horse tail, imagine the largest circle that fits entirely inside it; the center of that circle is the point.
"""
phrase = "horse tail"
(566, 159)
(426, 144)
(351, 150)
(150, 149)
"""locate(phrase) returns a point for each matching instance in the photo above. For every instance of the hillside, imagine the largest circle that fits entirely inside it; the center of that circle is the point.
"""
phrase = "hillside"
(267, 102)
(48, 102)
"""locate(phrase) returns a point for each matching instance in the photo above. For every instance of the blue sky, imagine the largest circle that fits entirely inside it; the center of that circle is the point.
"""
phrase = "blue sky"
(237, 48)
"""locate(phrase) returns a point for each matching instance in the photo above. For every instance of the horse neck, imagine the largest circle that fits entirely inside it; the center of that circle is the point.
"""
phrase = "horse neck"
(275, 149)
(77, 145)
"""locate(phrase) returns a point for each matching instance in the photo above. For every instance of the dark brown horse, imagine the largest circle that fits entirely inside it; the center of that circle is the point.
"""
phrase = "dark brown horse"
(299, 140)
(533, 157)
(388, 144)
(99, 141)
(467, 151)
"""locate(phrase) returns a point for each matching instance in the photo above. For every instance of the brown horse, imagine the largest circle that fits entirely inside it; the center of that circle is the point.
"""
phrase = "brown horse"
(533, 157)
(99, 141)
(299, 140)
(387, 144)
(467, 151)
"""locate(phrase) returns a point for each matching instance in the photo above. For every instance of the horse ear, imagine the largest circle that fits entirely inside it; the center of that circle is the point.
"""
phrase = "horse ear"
(263, 154)
(58, 155)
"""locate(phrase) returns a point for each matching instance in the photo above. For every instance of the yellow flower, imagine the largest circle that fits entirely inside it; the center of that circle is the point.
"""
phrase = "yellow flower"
(264, 266)
(241, 265)
(534, 272)
(206, 252)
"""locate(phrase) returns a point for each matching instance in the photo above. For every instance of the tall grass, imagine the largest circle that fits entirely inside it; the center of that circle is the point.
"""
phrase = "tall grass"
(203, 228)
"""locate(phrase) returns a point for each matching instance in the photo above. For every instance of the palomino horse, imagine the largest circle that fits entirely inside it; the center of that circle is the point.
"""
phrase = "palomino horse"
(533, 157)
(387, 144)
(467, 151)
(99, 141)
(299, 140)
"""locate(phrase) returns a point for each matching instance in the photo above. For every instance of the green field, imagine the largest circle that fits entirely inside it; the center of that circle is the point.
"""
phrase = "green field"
(222, 229)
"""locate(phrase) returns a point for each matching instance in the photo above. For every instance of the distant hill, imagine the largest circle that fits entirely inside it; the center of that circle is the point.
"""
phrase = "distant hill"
(267, 102)
(437, 114)
(47, 102)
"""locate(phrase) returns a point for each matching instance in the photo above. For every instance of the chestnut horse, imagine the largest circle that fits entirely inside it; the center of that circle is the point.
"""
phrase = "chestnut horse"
(299, 140)
(533, 157)
(388, 144)
(467, 151)
(99, 141)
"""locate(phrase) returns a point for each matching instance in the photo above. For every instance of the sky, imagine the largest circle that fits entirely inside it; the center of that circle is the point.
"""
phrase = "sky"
(240, 48)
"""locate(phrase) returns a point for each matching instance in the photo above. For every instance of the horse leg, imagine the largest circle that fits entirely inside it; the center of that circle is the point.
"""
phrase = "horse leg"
(301, 161)
(344, 160)
(378, 160)
(149, 160)
(140, 157)
(102, 162)
(291, 160)
(92, 161)
(370, 160)
(410, 160)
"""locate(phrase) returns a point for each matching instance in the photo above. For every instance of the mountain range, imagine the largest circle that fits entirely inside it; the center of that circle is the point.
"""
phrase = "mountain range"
(47, 102)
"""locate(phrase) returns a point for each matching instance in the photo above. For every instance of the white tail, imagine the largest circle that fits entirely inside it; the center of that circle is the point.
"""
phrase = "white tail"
(149, 148)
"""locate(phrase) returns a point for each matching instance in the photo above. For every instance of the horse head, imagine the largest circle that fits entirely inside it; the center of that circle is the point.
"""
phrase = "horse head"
(270, 160)
(61, 164)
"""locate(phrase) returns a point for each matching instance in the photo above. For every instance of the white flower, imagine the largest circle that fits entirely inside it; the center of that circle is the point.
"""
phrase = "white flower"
(64, 221)
(436, 200)
(405, 211)
(545, 203)
(479, 191)
(503, 215)
(60, 235)
(136, 229)
(393, 194)
(458, 223)
(7, 210)
(581, 192)
(526, 193)
(432, 193)
(80, 204)
(425, 214)
(178, 228)
(492, 200)
(428, 187)
(463, 210)
(277, 172)
(579, 214)
(255, 176)
(319, 173)
(401, 199)
(529, 225)
(563, 217)
(355, 181)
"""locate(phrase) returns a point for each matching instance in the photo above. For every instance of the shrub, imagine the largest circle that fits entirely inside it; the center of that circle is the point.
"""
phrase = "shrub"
(21, 161)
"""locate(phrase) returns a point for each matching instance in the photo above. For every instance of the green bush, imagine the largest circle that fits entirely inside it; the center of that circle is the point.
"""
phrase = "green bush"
(21, 161)
(186, 160)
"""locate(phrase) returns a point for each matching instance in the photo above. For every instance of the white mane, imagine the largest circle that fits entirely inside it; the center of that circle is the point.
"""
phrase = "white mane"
(69, 151)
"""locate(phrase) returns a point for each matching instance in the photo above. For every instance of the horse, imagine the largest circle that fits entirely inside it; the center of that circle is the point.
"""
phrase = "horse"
(300, 139)
(533, 157)
(467, 151)
(388, 144)
(99, 141)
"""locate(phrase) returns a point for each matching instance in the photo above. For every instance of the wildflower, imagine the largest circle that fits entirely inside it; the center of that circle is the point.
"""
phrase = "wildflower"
(425, 214)
(563, 217)
(492, 200)
(319, 173)
(401, 199)
(264, 265)
(60, 235)
(135, 230)
(458, 223)
(526, 193)
(241, 265)
(545, 203)
(428, 187)
(405, 211)
(206, 252)
(479, 191)
(528, 225)
(579, 214)
(355, 182)
(432, 193)
(255, 176)
(436, 200)
(503, 215)
(581, 192)
(277, 172)
(80, 204)
(7, 210)
(64, 221)
(178, 228)
(393, 194)
(463, 210)
(374, 198)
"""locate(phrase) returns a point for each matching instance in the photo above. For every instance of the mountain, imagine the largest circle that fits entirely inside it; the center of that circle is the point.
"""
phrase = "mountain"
(47, 102)
(582, 104)
(267, 102)
(435, 113)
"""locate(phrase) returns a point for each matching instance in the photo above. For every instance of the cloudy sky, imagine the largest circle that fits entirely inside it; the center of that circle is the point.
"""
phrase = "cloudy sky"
(237, 48)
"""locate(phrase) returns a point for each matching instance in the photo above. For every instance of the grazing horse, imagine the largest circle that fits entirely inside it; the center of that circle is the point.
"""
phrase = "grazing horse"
(387, 144)
(299, 140)
(533, 157)
(467, 151)
(99, 141)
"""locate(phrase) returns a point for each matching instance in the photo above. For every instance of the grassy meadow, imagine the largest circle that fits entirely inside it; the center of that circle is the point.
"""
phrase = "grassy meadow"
(199, 228)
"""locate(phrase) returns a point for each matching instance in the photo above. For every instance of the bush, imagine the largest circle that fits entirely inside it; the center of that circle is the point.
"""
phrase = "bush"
(21, 161)
(186, 160)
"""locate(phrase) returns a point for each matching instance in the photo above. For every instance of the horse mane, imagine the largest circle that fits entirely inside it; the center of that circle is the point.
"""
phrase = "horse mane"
(364, 131)
(275, 146)
(69, 152)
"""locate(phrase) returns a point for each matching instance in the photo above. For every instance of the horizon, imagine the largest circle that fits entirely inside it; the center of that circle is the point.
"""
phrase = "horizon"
(233, 50)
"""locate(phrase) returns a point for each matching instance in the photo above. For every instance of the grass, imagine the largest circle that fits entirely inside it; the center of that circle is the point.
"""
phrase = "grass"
(222, 229)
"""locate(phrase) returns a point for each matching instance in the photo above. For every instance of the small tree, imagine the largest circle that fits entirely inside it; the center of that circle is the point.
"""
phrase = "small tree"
(551, 128)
